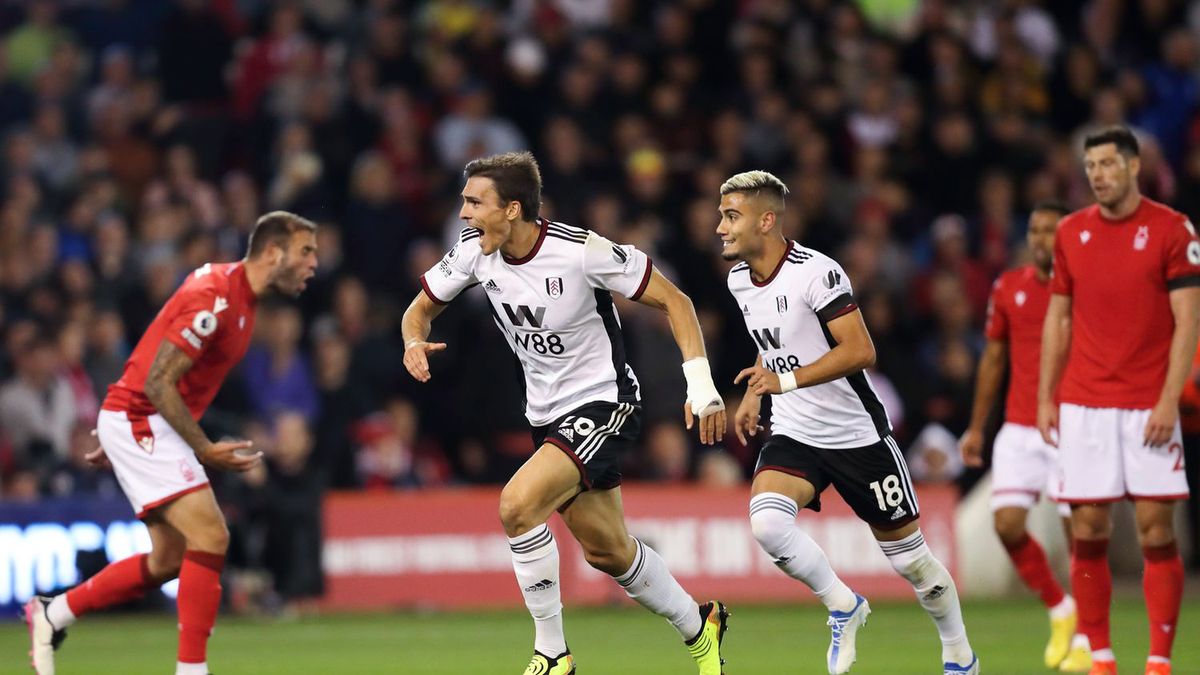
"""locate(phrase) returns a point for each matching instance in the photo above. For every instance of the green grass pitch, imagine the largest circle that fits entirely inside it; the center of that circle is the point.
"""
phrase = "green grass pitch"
(899, 639)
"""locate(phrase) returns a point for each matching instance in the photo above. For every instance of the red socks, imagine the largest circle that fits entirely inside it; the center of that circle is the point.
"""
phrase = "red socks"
(117, 583)
(1162, 584)
(1091, 580)
(199, 599)
(1030, 560)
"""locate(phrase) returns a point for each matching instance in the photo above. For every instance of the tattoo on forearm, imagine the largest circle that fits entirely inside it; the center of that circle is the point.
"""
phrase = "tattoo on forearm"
(170, 364)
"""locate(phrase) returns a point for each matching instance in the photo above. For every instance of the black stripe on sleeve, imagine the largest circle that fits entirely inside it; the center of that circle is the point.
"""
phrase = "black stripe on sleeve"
(1183, 282)
(842, 304)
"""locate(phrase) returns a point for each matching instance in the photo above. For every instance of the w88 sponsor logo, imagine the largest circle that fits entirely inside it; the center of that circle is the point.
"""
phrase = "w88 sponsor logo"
(549, 343)
(781, 364)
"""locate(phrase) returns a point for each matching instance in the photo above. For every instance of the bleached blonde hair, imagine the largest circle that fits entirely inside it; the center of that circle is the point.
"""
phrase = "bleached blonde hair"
(756, 184)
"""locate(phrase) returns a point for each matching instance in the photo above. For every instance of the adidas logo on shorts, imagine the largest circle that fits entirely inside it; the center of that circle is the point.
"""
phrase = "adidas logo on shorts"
(899, 513)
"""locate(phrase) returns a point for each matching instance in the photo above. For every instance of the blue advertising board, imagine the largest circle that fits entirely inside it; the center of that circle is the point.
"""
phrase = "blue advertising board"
(51, 545)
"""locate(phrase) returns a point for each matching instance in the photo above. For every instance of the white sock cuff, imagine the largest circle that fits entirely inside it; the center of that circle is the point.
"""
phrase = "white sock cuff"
(533, 545)
(906, 551)
(773, 501)
(639, 561)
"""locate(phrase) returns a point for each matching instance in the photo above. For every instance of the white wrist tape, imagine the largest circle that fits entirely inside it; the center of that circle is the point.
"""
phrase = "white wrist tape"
(787, 381)
(701, 392)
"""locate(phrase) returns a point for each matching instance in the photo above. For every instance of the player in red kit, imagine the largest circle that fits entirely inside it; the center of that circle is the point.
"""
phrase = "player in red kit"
(1117, 347)
(1022, 463)
(149, 433)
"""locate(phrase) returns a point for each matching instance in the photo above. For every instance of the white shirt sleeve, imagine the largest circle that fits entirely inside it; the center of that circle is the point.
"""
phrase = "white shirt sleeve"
(455, 272)
(828, 290)
(616, 267)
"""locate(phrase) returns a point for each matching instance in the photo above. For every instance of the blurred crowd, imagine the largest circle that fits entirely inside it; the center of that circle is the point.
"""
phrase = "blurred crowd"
(141, 139)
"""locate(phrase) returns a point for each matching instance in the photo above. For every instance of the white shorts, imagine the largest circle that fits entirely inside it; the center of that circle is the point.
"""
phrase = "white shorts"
(1102, 458)
(152, 463)
(1023, 467)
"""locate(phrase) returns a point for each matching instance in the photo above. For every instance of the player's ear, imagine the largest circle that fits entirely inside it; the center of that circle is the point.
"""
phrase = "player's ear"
(1135, 165)
(513, 211)
(767, 222)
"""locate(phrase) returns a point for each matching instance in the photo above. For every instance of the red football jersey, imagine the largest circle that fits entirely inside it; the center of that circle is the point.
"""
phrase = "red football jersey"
(1118, 274)
(1016, 312)
(211, 318)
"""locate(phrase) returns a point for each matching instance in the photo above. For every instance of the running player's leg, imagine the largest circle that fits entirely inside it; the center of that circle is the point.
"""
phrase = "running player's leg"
(198, 518)
(775, 500)
(119, 582)
(910, 556)
(875, 482)
(544, 483)
(597, 521)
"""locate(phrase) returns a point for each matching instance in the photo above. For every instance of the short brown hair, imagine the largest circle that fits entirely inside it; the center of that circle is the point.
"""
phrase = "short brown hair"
(1120, 136)
(276, 227)
(517, 178)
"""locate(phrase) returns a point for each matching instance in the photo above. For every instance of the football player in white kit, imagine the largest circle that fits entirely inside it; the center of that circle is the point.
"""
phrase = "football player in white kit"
(827, 424)
(549, 286)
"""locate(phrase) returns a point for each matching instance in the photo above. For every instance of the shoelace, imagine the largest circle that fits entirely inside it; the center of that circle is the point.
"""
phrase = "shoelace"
(838, 625)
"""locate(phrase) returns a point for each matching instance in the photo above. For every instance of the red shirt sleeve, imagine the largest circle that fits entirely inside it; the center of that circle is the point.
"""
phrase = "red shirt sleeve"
(997, 318)
(1061, 282)
(196, 321)
(1182, 256)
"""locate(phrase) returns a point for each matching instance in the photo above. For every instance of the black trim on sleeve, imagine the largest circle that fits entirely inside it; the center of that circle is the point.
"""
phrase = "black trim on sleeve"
(1183, 282)
(645, 280)
(428, 291)
(842, 304)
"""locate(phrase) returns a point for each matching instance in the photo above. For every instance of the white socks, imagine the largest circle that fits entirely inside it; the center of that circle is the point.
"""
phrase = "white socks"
(182, 668)
(913, 560)
(59, 612)
(773, 520)
(535, 560)
(650, 583)
(1063, 609)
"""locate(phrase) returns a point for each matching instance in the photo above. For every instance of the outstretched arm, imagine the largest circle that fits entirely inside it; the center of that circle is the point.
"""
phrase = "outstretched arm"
(703, 399)
(415, 327)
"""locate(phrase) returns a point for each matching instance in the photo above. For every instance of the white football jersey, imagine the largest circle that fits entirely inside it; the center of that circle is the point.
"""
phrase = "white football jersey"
(555, 309)
(786, 315)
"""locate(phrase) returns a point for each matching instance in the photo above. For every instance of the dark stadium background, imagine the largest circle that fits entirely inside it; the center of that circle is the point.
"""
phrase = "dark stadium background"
(141, 139)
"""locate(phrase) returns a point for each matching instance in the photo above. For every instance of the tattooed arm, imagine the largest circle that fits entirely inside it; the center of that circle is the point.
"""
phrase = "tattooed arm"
(162, 388)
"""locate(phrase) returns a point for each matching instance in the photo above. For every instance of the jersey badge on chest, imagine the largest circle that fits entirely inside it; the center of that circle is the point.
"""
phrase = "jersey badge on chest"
(1141, 238)
(1020, 298)
(781, 303)
(554, 287)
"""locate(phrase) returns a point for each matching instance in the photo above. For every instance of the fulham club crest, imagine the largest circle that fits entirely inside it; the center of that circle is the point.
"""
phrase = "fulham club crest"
(781, 303)
(554, 287)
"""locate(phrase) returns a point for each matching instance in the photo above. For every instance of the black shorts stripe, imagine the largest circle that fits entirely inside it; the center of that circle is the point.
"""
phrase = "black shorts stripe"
(611, 428)
(902, 466)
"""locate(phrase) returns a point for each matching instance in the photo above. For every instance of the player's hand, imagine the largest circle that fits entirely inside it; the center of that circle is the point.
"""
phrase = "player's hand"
(1161, 425)
(759, 380)
(416, 358)
(971, 447)
(712, 420)
(745, 422)
(96, 458)
(1047, 421)
(230, 456)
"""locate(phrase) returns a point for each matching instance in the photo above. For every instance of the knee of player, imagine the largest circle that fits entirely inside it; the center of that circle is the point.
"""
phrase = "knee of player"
(1010, 531)
(1156, 534)
(212, 538)
(769, 527)
(515, 514)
